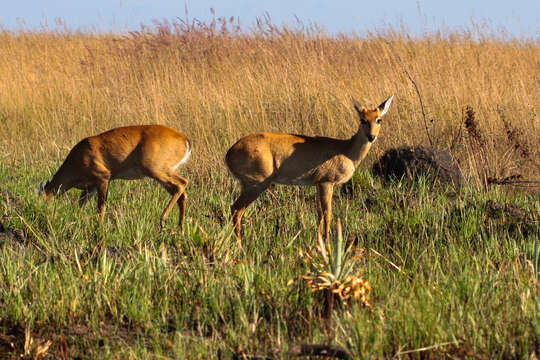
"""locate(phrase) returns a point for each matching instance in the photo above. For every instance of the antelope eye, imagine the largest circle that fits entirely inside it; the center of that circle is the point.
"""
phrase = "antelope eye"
(378, 121)
(364, 121)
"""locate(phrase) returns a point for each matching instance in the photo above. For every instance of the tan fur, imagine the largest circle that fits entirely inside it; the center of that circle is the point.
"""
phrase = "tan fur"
(131, 152)
(257, 160)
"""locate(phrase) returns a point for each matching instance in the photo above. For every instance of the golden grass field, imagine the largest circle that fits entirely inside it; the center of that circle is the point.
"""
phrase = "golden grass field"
(453, 273)
(217, 86)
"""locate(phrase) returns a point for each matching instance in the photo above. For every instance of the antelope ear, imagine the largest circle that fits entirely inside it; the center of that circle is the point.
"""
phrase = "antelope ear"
(358, 107)
(385, 105)
(40, 188)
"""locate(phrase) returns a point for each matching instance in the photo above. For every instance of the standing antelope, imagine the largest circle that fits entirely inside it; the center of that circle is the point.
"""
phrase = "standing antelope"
(260, 159)
(129, 153)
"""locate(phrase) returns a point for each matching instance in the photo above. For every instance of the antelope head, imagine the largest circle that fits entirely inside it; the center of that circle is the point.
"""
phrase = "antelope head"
(370, 119)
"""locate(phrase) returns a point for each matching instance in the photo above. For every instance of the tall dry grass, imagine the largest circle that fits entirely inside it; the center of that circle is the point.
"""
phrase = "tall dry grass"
(217, 83)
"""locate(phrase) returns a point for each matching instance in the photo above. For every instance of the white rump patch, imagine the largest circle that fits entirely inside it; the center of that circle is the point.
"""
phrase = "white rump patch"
(185, 158)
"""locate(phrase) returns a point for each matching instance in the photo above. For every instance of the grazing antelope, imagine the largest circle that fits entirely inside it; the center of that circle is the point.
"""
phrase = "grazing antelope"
(129, 153)
(260, 159)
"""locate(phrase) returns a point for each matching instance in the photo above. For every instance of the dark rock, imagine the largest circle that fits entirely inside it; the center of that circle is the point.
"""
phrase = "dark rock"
(412, 162)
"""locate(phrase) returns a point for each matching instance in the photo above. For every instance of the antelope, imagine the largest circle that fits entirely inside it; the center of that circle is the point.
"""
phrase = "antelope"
(260, 159)
(128, 153)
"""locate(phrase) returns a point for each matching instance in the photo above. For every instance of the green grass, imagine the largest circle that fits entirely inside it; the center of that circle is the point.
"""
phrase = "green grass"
(448, 273)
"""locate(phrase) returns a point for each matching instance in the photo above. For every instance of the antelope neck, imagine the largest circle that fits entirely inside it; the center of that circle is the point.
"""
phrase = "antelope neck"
(358, 148)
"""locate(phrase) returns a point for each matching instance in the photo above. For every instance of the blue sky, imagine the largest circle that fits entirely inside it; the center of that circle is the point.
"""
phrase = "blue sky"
(520, 18)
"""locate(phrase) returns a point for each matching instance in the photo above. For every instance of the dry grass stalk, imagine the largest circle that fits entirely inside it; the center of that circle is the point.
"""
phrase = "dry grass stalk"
(217, 83)
(477, 147)
(516, 140)
(407, 72)
(499, 161)
(33, 349)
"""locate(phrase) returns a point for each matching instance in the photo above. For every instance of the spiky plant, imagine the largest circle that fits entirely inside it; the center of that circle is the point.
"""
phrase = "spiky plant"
(335, 271)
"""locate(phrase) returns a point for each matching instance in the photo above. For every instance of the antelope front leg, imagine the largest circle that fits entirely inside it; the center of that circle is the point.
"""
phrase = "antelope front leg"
(326, 190)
